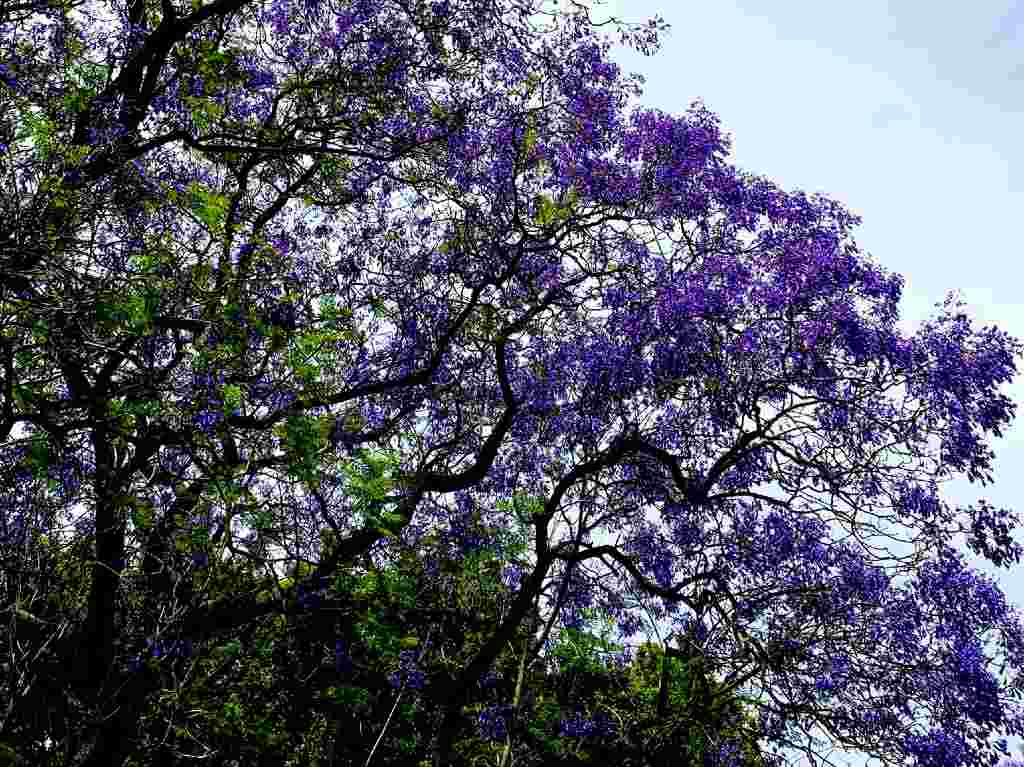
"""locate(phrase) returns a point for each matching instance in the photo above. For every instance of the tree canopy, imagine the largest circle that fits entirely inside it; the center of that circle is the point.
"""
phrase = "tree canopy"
(365, 290)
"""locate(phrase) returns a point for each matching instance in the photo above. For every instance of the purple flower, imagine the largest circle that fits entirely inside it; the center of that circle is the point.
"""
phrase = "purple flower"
(342, 661)
(584, 727)
(489, 679)
(493, 722)
(408, 671)
(206, 420)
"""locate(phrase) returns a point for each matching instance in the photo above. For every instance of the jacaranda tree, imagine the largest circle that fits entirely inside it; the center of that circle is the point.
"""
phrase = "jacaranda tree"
(242, 243)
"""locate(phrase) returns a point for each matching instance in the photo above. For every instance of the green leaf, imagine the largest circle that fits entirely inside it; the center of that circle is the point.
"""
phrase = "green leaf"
(259, 519)
(545, 210)
(8, 756)
(232, 649)
(551, 212)
(144, 407)
(328, 307)
(200, 274)
(142, 517)
(303, 438)
(227, 490)
(529, 139)
(200, 536)
(349, 695)
(231, 395)
(40, 330)
(211, 208)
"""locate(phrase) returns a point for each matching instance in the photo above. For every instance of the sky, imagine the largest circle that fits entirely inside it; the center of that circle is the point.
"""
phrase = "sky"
(907, 113)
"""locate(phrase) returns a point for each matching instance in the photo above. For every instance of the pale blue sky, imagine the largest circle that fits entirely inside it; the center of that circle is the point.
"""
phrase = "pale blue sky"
(908, 113)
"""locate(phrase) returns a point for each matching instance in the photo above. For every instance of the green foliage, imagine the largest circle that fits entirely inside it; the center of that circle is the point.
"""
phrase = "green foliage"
(241, 694)
(142, 516)
(40, 130)
(38, 454)
(578, 650)
(328, 307)
(311, 352)
(522, 506)
(155, 255)
(529, 139)
(204, 113)
(550, 212)
(88, 78)
(134, 311)
(211, 208)
(370, 476)
(231, 395)
(303, 439)
(332, 167)
(145, 407)
(350, 695)
(231, 699)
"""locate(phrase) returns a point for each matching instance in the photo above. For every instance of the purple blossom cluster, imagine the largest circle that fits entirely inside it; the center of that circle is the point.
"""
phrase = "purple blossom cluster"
(172, 648)
(977, 597)
(163, 648)
(990, 534)
(310, 592)
(493, 722)
(275, 397)
(978, 687)
(489, 679)
(342, 660)
(464, 532)
(580, 726)
(726, 754)
(937, 749)
(206, 386)
(409, 672)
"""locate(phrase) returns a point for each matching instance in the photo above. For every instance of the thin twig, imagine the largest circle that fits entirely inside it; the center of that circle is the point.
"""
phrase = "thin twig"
(385, 728)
